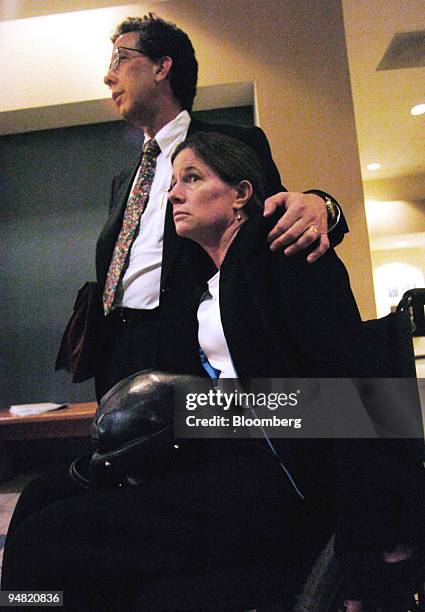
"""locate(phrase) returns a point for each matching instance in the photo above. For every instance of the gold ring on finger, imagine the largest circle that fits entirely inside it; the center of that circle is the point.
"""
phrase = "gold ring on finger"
(313, 228)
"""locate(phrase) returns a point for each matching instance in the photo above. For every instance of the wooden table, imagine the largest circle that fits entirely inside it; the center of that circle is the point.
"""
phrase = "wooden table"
(70, 422)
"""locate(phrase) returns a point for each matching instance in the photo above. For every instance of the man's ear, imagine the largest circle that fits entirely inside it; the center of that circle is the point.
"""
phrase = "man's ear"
(163, 68)
(244, 192)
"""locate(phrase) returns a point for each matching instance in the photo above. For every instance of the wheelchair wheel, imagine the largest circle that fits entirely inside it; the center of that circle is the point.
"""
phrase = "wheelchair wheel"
(320, 591)
(321, 587)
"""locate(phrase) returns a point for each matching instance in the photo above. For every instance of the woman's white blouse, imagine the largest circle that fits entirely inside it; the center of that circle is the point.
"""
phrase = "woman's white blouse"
(211, 335)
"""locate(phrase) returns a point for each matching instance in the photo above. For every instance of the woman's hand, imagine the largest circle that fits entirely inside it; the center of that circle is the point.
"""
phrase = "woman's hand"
(394, 580)
(353, 606)
(400, 553)
(304, 222)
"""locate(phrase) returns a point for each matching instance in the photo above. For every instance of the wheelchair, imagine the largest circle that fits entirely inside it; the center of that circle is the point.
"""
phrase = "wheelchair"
(321, 588)
(391, 341)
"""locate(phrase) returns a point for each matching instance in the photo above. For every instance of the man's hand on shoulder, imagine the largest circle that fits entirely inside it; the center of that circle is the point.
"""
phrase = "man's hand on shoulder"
(304, 222)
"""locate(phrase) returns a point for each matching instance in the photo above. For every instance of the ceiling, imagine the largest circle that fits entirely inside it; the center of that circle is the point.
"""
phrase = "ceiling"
(387, 132)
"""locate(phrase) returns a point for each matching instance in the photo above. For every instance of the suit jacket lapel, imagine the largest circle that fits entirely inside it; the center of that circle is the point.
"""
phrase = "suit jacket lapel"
(200, 126)
(172, 242)
(172, 245)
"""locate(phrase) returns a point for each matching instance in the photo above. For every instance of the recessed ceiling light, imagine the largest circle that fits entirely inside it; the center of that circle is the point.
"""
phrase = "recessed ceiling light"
(402, 243)
(419, 109)
(374, 166)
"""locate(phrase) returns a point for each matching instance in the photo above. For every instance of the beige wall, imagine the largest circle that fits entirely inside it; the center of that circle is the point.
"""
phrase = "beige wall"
(295, 54)
(395, 210)
(389, 217)
(412, 257)
(397, 232)
(398, 270)
(410, 187)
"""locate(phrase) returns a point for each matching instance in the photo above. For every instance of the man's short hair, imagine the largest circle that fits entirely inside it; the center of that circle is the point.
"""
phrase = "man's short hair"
(158, 38)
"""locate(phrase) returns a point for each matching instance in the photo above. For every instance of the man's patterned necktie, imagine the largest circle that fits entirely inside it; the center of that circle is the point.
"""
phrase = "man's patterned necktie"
(135, 206)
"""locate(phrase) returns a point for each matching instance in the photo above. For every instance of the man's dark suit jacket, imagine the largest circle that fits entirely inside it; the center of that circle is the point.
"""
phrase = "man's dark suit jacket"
(184, 264)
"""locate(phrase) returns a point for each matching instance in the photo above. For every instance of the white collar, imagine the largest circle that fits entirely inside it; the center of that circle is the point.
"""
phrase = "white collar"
(172, 133)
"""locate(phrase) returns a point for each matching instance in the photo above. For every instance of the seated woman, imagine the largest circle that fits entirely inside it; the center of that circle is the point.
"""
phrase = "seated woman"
(265, 315)
(229, 529)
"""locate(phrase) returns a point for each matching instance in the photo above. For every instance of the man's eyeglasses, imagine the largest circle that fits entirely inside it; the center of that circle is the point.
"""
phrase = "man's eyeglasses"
(117, 57)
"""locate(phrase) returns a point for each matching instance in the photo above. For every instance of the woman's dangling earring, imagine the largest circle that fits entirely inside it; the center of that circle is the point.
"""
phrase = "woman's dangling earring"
(238, 216)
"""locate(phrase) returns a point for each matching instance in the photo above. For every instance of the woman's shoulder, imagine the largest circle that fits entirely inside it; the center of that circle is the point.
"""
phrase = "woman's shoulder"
(252, 248)
(253, 239)
(255, 230)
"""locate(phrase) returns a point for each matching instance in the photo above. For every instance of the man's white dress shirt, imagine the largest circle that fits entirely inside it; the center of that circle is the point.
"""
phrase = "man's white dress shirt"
(140, 284)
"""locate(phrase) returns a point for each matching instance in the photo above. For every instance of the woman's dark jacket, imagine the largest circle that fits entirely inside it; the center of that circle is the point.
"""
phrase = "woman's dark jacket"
(183, 262)
(283, 317)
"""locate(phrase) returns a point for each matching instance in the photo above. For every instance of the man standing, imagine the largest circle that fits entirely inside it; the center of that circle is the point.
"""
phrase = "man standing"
(141, 263)
(190, 538)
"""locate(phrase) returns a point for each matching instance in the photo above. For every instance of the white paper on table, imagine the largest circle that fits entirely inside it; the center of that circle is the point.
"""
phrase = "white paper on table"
(32, 409)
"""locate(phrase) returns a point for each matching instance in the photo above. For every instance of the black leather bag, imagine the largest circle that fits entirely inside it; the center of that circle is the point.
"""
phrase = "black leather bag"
(133, 431)
(80, 341)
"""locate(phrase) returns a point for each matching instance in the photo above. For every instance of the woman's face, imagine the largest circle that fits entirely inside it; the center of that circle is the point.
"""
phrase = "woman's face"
(202, 202)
